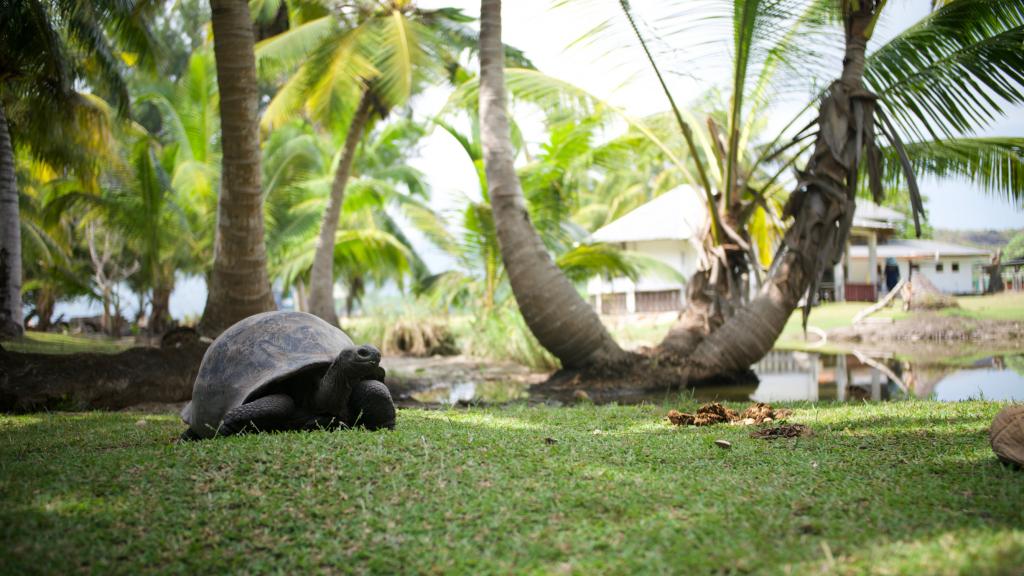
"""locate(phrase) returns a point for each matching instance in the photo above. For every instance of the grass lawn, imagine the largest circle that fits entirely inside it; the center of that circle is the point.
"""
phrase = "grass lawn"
(50, 343)
(1005, 306)
(899, 488)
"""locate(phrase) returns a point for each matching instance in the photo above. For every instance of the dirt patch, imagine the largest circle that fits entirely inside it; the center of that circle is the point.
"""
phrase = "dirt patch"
(714, 413)
(933, 327)
(784, 431)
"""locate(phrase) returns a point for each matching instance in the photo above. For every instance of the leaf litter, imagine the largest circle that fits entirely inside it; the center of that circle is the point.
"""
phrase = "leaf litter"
(758, 413)
(714, 413)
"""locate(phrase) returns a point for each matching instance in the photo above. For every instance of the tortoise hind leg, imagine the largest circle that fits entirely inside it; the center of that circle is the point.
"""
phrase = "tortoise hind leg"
(274, 412)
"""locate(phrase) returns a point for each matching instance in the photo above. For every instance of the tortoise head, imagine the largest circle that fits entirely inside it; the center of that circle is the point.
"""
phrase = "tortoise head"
(360, 363)
(352, 365)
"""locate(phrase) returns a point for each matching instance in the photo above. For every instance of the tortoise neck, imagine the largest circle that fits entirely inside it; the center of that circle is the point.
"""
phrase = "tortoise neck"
(330, 391)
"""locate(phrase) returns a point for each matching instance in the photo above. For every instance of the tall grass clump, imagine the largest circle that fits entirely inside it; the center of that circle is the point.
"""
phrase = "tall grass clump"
(407, 332)
(503, 335)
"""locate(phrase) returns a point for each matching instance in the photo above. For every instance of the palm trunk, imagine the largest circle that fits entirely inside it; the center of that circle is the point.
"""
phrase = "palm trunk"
(715, 293)
(822, 207)
(321, 277)
(160, 313)
(106, 324)
(239, 284)
(11, 321)
(561, 320)
(45, 302)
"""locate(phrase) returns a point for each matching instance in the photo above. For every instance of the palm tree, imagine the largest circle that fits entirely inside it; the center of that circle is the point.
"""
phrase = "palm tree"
(48, 47)
(375, 56)
(355, 65)
(912, 83)
(552, 183)
(963, 38)
(188, 129)
(54, 264)
(370, 246)
(561, 320)
(239, 285)
(11, 325)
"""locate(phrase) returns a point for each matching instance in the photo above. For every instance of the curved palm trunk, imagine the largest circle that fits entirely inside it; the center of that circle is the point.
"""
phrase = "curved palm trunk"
(822, 207)
(11, 322)
(321, 277)
(560, 319)
(239, 284)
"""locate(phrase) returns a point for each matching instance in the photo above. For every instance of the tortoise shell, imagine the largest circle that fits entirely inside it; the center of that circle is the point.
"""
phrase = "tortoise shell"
(253, 354)
(1007, 435)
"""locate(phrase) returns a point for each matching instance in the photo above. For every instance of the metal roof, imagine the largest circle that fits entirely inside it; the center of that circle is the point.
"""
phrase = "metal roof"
(874, 217)
(917, 249)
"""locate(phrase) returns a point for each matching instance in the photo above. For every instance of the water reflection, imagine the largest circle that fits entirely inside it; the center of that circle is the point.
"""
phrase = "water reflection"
(786, 376)
(790, 376)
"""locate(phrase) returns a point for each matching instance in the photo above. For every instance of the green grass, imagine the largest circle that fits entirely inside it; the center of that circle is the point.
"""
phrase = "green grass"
(900, 488)
(50, 343)
(1005, 306)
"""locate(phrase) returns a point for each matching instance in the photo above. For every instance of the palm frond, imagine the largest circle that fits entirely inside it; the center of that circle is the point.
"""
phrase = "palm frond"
(995, 165)
(952, 72)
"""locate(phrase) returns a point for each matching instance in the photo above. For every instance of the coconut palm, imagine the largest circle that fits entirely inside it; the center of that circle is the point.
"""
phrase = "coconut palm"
(239, 285)
(47, 48)
(355, 65)
(371, 247)
(54, 263)
(972, 37)
(189, 131)
(911, 85)
(561, 320)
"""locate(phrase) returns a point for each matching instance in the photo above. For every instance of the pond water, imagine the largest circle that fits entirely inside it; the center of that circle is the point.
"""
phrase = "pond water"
(781, 376)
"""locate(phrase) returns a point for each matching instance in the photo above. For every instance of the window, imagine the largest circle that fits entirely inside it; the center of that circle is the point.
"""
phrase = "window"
(939, 267)
(955, 266)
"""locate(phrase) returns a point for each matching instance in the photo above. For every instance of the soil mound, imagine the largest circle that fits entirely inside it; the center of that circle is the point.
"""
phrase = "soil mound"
(34, 382)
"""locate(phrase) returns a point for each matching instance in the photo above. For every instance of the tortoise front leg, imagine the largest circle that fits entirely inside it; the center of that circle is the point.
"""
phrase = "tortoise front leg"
(371, 406)
(274, 412)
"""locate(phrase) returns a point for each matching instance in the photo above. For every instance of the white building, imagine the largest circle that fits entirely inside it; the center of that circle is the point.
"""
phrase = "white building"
(951, 268)
(669, 227)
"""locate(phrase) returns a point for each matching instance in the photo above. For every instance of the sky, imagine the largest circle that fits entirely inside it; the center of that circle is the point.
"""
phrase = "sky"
(613, 68)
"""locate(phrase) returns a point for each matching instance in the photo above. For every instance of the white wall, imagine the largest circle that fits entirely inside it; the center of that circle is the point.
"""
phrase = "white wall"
(680, 255)
(960, 282)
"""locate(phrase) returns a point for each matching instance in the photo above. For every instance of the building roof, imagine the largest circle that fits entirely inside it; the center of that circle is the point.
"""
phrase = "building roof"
(917, 250)
(677, 214)
(680, 213)
(871, 216)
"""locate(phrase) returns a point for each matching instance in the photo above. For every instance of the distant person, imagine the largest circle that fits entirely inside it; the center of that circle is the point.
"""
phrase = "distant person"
(892, 274)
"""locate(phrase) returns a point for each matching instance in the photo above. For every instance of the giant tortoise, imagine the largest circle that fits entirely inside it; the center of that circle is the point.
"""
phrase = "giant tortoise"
(286, 371)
